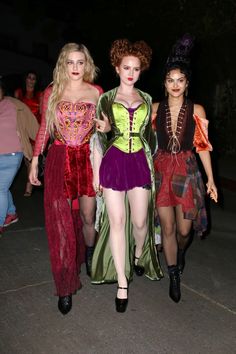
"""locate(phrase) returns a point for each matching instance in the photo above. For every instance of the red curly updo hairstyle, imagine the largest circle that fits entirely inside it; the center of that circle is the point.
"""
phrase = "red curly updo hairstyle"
(123, 47)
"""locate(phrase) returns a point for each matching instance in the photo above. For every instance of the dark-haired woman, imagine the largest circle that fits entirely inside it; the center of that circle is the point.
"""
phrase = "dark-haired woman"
(181, 126)
(30, 94)
(125, 175)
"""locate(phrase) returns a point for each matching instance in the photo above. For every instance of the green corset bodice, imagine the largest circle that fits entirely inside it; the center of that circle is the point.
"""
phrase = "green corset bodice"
(128, 138)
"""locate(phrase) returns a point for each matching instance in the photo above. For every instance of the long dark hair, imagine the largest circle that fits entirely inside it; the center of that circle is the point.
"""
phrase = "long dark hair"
(37, 83)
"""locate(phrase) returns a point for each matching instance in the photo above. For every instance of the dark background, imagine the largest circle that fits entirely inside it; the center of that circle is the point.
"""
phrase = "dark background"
(39, 29)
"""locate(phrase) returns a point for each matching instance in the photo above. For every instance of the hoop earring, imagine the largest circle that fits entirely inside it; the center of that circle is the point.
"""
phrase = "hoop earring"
(186, 92)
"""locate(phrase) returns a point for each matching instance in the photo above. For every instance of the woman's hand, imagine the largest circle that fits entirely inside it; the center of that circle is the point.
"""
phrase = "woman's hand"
(206, 161)
(33, 174)
(212, 190)
(103, 125)
(96, 185)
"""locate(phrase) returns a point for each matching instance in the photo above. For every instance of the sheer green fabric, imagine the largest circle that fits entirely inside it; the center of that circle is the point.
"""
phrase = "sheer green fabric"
(103, 269)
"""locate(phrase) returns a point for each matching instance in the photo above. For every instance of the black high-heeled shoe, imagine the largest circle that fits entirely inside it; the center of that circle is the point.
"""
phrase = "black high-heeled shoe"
(65, 304)
(121, 304)
(139, 270)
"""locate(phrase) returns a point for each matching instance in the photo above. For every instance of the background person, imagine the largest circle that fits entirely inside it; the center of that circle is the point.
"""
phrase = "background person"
(17, 126)
(31, 95)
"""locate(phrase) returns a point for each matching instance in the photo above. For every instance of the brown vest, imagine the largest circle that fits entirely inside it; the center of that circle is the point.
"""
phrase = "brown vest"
(186, 135)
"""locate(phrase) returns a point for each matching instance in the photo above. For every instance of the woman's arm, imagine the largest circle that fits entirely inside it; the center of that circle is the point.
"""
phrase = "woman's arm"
(33, 174)
(203, 147)
(41, 141)
(155, 106)
(96, 158)
(206, 161)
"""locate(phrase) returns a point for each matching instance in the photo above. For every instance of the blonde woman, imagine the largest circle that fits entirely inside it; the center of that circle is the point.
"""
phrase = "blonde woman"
(69, 107)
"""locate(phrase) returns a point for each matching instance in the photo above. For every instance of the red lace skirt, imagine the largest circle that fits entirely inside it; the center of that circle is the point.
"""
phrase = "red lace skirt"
(78, 173)
(68, 174)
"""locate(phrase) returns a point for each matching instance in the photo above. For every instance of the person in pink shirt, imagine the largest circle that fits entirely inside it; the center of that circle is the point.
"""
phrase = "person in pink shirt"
(17, 126)
(68, 112)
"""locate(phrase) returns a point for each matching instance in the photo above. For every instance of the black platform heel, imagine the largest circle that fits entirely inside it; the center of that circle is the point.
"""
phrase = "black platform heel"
(65, 304)
(121, 304)
(139, 270)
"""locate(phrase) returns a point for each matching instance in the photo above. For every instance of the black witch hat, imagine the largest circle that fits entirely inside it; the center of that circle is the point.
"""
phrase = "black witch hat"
(180, 52)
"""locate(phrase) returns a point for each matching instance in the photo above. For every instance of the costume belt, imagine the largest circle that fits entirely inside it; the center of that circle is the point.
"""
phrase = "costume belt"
(127, 135)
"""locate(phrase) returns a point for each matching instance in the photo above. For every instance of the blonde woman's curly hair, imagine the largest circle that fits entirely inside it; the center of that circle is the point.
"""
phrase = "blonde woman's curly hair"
(60, 79)
(123, 47)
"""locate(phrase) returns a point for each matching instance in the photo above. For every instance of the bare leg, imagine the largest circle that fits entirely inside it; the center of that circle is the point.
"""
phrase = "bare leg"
(116, 213)
(168, 230)
(138, 200)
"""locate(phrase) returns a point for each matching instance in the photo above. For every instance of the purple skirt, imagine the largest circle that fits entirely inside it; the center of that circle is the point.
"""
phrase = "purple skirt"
(124, 171)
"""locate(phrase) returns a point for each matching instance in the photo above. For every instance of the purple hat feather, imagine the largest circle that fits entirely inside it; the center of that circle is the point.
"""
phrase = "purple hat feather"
(181, 50)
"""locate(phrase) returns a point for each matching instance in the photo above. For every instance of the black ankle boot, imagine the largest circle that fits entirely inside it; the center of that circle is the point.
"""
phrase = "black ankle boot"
(65, 304)
(174, 289)
(88, 259)
(181, 260)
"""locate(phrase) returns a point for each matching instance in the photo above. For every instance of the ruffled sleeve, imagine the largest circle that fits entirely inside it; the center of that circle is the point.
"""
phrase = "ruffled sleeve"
(200, 141)
(43, 135)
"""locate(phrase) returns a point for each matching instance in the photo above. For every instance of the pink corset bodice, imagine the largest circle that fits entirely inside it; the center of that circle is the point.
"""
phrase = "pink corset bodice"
(75, 122)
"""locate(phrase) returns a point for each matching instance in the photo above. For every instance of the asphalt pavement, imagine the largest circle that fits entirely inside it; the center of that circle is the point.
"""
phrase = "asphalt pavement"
(203, 321)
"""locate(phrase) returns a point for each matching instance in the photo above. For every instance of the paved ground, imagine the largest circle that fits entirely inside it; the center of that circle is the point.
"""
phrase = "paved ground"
(203, 322)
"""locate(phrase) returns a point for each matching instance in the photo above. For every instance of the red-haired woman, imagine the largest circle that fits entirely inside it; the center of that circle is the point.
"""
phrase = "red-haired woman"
(124, 173)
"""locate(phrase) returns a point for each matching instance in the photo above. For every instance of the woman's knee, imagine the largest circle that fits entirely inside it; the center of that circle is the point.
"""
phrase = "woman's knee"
(140, 224)
(168, 229)
(184, 231)
(88, 218)
(117, 222)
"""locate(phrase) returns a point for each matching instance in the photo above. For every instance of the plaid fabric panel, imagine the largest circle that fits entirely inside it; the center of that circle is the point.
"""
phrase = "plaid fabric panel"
(179, 185)
(199, 215)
